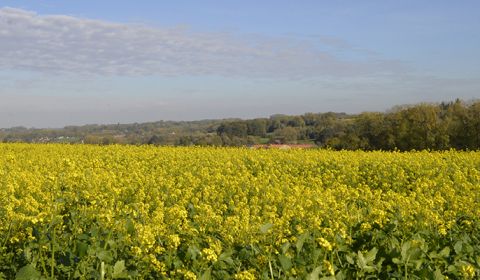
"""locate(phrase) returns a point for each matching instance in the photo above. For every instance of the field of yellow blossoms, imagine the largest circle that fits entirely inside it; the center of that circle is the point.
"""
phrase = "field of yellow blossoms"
(128, 212)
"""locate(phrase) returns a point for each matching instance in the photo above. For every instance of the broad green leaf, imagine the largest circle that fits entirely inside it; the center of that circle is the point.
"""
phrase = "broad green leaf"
(28, 272)
(192, 252)
(458, 247)
(130, 226)
(300, 241)
(370, 255)
(286, 262)
(452, 269)
(349, 259)
(418, 263)
(445, 252)
(105, 256)
(314, 274)
(405, 248)
(82, 248)
(285, 247)
(361, 262)
(437, 275)
(119, 270)
(226, 257)
(207, 275)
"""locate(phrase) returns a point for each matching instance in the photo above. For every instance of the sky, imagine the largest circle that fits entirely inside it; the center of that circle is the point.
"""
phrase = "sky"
(84, 62)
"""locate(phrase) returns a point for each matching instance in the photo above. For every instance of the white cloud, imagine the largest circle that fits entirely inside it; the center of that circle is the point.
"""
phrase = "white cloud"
(61, 44)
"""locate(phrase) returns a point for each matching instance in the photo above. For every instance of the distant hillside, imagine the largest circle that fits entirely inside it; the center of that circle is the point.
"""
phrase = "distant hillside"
(423, 126)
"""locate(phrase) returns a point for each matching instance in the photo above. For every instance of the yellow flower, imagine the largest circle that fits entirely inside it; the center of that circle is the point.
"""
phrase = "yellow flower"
(245, 275)
(468, 271)
(442, 230)
(209, 254)
(366, 226)
(174, 241)
(324, 243)
(329, 267)
(190, 275)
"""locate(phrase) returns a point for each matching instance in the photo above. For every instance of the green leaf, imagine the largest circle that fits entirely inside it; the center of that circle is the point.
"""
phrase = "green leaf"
(82, 248)
(105, 256)
(361, 262)
(207, 275)
(349, 259)
(226, 257)
(314, 274)
(28, 272)
(437, 275)
(458, 247)
(77, 274)
(300, 241)
(192, 252)
(285, 247)
(264, 228)
(445, 252)
(418, 263)
(405, 248)
(130, 227)
(452, 269)
(286, 262)
(119, 270)
(370, 256)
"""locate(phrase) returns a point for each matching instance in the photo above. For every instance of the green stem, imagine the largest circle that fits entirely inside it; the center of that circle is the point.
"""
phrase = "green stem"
(406, 267)
(44, 267)
(271, 270)
(102, 271)
(8, 234)
(52, 224)
(53, 255)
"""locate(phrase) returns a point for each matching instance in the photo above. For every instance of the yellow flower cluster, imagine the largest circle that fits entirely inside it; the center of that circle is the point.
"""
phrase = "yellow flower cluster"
(202, 201)
(245, 275)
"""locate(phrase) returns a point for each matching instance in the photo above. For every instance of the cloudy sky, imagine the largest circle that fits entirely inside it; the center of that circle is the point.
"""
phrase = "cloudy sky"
(80, 62)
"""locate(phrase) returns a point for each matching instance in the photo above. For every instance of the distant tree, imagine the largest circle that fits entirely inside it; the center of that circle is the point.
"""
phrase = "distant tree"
(457, 119)
(257, 127)
(296, 121)
(209, 140)
(184, 141)
(287, 134)
(108, 140)
(310, 119)
(156, 140)
(419, 127)
(374, 131)
(473, 127)
(233, 129)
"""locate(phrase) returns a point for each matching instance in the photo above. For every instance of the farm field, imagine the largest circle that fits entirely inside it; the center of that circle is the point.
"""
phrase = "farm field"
(143, 212)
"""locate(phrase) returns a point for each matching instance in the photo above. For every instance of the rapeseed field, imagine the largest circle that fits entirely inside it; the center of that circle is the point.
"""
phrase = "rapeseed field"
(143, 212)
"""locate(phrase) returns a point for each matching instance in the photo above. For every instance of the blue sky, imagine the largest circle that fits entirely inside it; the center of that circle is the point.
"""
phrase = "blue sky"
(79, 62)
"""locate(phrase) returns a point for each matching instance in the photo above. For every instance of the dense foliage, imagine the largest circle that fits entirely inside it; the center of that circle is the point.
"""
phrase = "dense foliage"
(118, 212)
(424, 126)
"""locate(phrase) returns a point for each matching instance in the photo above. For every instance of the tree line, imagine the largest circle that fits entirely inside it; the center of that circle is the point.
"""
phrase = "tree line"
(416, 127)
(431, 126)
